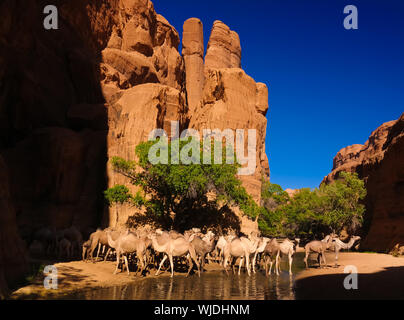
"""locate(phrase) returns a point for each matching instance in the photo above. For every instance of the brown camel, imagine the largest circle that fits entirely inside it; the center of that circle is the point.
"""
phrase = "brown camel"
(65, 248)
(100, 238)
(203, 247)
(271, 254)
(126, 244)
(318, 247)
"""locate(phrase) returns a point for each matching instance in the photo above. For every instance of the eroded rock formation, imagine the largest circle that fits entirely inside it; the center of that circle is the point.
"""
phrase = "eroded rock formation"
(193, 53)
(380, 162)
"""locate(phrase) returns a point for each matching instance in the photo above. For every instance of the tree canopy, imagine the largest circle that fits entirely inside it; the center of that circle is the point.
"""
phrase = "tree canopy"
(312, 213)
(172, 192)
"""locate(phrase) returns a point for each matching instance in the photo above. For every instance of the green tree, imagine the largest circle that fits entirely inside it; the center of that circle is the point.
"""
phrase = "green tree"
(305, 214)
(176, 195)
(314, 213)
(271, 222)
(343, 197)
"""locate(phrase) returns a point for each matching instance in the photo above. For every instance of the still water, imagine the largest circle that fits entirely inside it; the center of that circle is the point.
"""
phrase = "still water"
(210, 286)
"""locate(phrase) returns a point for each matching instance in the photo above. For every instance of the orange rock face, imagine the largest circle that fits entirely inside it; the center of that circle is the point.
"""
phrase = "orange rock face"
(73, 98)
(380, 162)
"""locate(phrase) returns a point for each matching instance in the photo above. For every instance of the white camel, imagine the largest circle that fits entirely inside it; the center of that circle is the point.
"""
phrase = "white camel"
(178, 247)
(260, 249)
(241, 248)
(220, 245)
(287, 248)
(338, 245)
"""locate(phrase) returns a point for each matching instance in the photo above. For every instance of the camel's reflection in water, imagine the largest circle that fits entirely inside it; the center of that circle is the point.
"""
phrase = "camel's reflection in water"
(210, 286)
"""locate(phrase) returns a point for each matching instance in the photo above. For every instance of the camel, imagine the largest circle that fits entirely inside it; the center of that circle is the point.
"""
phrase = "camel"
(240, 248)
(220, 245)
(287, 247)
(100, 238)
(318, 247)
(65, 248)
(171, 247)
(203, 247)
(47, 237)
(36, 248)
(338, 245)
(86, 249)
(126, 244)
(271, 254)
(260, 249)
(76, 239)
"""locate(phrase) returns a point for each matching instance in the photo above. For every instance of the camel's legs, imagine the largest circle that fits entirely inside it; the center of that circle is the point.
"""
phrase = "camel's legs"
(248, 264)
(91, 252)
(225, 265)
(191, 264)
(126, 264)
(305, 259)
(325, 262)
(336, 256)
(161, 263)
(240, 265)
(271, 264)
(277, 264)
(265, 260)
(117, 262)
(98, 252)
(290, 263)
(172, 265)
(254, 261)
(194, 259)
(108, 252)
(202, 262)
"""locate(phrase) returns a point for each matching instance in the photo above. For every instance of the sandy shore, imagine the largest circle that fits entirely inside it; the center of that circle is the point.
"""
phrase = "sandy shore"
(380, 276)
(79, 275)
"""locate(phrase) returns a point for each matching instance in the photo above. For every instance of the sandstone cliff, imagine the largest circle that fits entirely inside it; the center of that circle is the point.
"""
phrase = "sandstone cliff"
(380, 162)
(71, 99)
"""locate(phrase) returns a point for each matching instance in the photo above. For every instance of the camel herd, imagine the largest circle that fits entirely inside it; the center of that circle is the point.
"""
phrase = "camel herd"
(193, 248)
(152, 248)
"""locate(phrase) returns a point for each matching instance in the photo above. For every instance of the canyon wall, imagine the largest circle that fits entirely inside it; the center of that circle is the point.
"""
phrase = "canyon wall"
(380, 162)
(72, 98)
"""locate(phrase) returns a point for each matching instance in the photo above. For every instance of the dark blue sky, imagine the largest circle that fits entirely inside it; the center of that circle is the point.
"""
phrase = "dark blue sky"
(328, 87)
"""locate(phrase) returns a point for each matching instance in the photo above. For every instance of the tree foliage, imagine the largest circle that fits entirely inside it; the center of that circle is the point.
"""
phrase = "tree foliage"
(179, 190)
(313, 213)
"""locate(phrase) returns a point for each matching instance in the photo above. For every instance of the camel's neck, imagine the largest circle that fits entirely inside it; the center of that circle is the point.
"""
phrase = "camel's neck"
(111, 242)
(350, 243)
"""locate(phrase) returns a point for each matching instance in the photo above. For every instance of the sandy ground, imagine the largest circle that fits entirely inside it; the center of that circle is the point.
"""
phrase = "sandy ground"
(380, 276)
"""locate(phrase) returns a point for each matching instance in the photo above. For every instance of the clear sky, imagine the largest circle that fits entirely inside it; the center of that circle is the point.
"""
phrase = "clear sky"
(328, 87)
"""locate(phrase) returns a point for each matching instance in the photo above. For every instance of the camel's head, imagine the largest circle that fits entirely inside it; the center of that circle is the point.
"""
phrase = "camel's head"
(210, 234)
